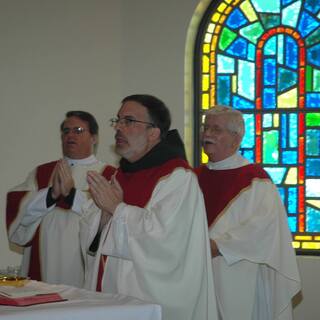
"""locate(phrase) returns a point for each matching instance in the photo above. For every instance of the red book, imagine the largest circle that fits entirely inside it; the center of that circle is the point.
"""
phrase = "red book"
(30, 300)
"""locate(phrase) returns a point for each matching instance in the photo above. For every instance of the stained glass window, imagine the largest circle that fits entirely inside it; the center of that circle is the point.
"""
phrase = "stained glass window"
(263, 58)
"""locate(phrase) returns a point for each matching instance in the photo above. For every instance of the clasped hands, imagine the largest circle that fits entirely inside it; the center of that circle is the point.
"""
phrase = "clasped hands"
(106, 194)
(62, 181)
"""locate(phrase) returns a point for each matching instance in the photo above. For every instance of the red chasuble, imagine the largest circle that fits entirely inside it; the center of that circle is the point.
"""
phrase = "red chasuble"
(14, 198)
(220, 187)
(137, 190)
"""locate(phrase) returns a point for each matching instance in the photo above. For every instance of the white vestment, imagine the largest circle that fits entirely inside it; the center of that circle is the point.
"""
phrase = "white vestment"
(159, 253)
(59, 245)
(256, 275)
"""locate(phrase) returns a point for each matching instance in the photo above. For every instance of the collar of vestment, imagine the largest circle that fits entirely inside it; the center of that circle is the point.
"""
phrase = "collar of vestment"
(233, 162)
(169, 148)
(85, 161)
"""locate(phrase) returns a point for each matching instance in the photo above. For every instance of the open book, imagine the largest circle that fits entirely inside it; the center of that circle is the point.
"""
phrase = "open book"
(27, 295)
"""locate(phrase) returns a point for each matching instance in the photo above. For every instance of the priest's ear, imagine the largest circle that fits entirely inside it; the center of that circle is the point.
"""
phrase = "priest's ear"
(154, 134)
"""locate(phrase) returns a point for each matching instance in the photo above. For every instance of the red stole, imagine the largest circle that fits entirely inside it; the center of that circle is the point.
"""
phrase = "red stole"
(43, 179)
(220, 187)
(137, 190)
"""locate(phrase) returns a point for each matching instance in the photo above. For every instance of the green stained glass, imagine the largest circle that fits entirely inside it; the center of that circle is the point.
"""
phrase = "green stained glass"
(286, 79)
(313, 119)
(271, 147)
(309, 78)
(313, 37)
(316, 80)
(252, 32)
(270, 20)
(266, 6)
(226, 38)
(290, 14)
(313, 142)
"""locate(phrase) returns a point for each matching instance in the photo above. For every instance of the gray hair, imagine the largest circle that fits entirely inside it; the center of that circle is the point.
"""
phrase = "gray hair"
(235, 122)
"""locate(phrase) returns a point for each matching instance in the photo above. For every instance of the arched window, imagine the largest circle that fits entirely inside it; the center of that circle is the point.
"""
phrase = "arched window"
(263, 58)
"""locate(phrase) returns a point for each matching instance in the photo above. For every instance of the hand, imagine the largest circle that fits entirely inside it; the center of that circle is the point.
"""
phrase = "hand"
(214, 249)
(55, 191)
(106, 194)
(65, 177)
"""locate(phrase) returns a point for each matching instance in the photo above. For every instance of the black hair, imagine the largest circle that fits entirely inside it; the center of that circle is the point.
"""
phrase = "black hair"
(157, 110)
(84, 116)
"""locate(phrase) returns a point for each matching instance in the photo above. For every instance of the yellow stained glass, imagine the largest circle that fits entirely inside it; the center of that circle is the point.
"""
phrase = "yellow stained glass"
(214, 43)
(311, 245)
(205, 82)
(234, 83)
(207, 38)
(288, 99)
(305, 238)
(248, 11)
(215, 17)
(205, 101)
(276, 120)
(222, 7)
(204, 157)
(296, 244)
(217, 29)
(317, 238)
(222, 18)
(292, 176)
(205, 64)
(211, 27)
(206, 48)
(315, 203)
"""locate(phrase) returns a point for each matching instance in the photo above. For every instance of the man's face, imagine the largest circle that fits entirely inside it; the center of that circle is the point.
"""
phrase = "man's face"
(134, 139)
(218, 142)
(77, 141)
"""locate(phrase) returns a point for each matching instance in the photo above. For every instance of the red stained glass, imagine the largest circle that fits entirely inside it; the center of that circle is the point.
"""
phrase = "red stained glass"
(301, 128)
(301, 150)
(301, 223)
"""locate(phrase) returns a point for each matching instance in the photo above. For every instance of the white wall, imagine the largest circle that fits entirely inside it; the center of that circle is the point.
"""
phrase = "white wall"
(88, 54)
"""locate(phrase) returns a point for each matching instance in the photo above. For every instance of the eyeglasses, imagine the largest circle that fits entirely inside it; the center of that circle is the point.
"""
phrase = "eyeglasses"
(75, 130)
(128, 122)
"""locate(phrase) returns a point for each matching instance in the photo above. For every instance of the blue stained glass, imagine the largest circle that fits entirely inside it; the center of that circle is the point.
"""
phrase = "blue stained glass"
(312, 220)
(239, 48)
(312, 100)
(292, 221)
(291, 53)
(283, 130)
(290, 14)
(313, 55)
(313, 167)
(307, 24)
(289, 157)
(280, 56)
(269, 71)
(293, 130)
(223, 92)
(241, 103)
(285, 2)
(225, 64)
(313, 142)
(312, 188)
(236, 19)
(266, 6)
(251, 52)
(249, 135)
(276, 174)
(246, 79)
(267, 120)
(312, 5)
(270, 47)
(282, 194)
(269, 98)
(286, 79)
(248, 154)
(292, 200)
